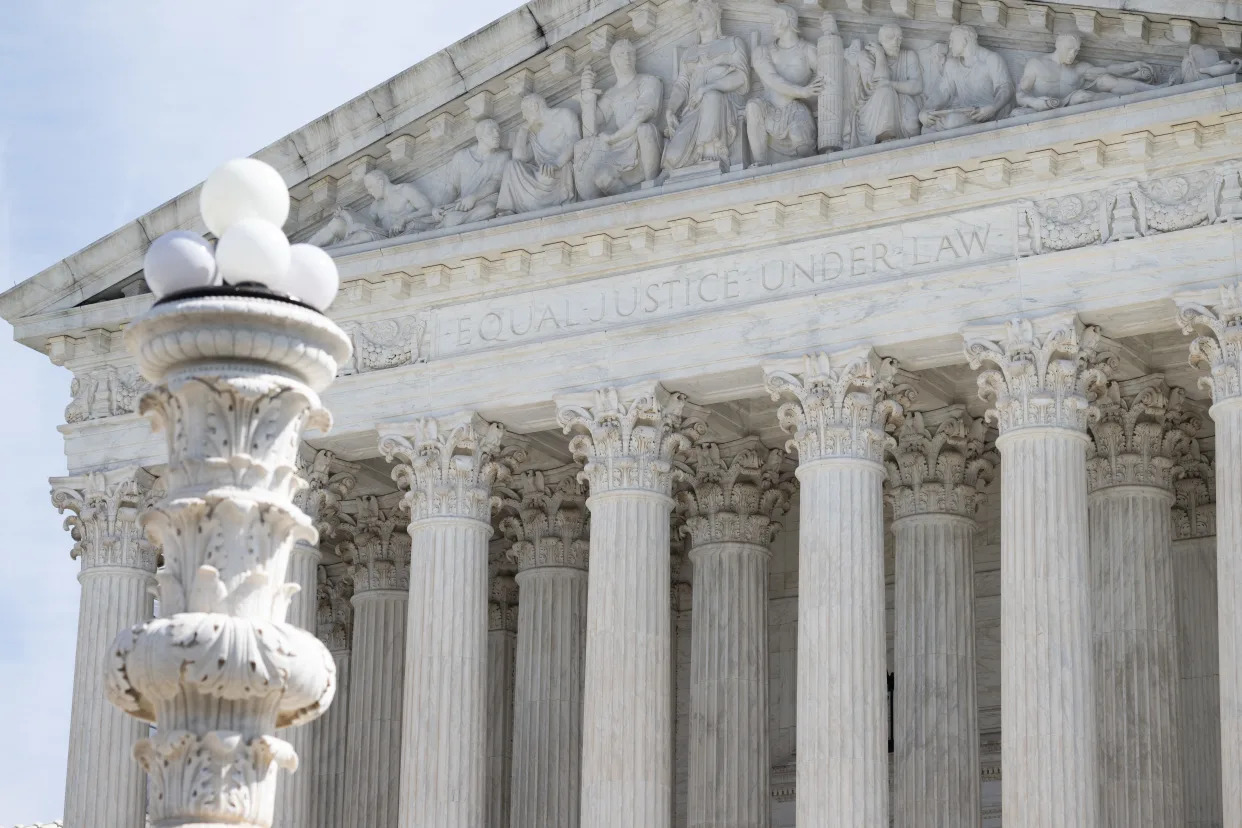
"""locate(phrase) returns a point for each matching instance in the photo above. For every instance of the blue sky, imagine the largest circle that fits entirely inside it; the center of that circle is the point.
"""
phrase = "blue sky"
(108, 109)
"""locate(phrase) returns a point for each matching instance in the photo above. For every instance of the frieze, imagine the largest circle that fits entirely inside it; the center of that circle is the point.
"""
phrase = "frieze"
(385, 343)
(109, 391)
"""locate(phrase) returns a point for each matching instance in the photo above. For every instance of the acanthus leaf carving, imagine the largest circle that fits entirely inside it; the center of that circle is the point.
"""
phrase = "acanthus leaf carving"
(450, 464)
(104, 520)
(631, 439)
(334, 615)
(844, 404)
(377, 545)
(1219, 347)
(1048, 377)
(545, 517)
(939, 464)
(386, 343)
(502, 603)
(1194, 494)
(736, 492)
(1143, 427)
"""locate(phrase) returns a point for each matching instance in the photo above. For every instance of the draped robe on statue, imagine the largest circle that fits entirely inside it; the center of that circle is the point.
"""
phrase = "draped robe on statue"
(525, 187)
(707, 130)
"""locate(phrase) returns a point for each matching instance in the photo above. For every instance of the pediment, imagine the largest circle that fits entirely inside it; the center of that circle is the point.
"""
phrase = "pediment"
(411, 127)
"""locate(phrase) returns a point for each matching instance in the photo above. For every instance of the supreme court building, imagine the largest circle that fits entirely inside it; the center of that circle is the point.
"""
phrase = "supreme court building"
(842, 389)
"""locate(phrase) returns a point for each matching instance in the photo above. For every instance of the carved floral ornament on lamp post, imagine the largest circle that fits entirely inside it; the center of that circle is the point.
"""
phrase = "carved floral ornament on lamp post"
(237, 363)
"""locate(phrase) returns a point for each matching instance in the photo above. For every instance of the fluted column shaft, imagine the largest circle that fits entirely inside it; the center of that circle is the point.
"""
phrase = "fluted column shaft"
(626, 772)
(1048, 731)
(729, 743)
(330, 754)
(1228, 418)
(1199, 695)
(501, 651)
(842, 711)
(372, 772)
(104, 786)
(547, 715)
(936, 730)
(295, 791)
(1135, 652)
(443, 760)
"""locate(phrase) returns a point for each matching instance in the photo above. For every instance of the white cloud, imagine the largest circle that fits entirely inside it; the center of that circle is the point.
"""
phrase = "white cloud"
(106, 110)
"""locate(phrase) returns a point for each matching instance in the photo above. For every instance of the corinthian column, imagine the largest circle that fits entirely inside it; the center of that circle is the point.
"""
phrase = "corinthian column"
(379, 555)
(547, 523)
(736, 493)
(295, 793)
(1194, 571)
(628, 441)
(841, 406)
(330, 743)
(449, 468)
(104, 785)
(502, 619)
(1042, 387)
(1219, 350)
(936, 476)
(1141, 428)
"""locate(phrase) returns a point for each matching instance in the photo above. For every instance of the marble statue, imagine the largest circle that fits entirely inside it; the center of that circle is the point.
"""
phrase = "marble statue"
(621, 148)
(777, 120)
(974, 85)
(1060, 79)
(707, 98)
(830, 54)
(884, 90)
(1202, 62)
(473, 178)
(540, 173)
(396, 209)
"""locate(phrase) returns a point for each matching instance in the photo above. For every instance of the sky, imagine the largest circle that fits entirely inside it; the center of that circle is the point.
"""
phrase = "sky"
(108, 109)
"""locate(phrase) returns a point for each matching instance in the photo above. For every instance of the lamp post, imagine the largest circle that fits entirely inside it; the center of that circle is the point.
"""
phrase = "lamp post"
(238, 349)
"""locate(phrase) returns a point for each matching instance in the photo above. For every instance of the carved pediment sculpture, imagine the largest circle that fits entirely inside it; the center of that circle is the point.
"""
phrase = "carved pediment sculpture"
(622, 146)
(974, 85)
(705, 107)
(883, 90)
(1202, 63)
(473, 178)
(1060, 79)
(396, 209)
(541, 172)
(777, 119)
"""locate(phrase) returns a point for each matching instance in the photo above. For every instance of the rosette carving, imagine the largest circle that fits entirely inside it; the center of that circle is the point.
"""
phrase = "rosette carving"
(450, 465)
(1142, 428)
(502, 603)
(545, 516)
(1194, 495)
(1047, 379)
(938, 464)
(631, 438)
(736, 493)
(843, 404)
(104, 522)
(1219, 348)
(378, 546)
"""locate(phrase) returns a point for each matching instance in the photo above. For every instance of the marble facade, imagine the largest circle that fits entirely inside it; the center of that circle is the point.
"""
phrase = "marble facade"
(689, 474)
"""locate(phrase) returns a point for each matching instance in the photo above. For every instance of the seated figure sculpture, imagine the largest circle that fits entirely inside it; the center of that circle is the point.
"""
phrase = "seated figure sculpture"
(707, 98)
(884, 90)
(541, 172)
(622, 146)
(777, 120)
(974, 85)
(473, 178)
(1060, 79)
(396, 209)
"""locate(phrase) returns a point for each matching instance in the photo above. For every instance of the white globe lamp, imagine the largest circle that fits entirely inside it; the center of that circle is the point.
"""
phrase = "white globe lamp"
(313, 276)
(179, 261)
(243, 189)
(254, 251)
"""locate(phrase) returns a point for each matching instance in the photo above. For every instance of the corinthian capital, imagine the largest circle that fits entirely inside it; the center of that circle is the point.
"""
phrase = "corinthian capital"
(378, 545)
(449, 465)
(843, 404)
(547, 520)
(736, 492)
(1047, 373)
(630, 438)
(1219, 349)
(1194, 493)
(327, 485)
(1142, 428)
(502, 603)
(335, 613)
(104, 523)
(938, 464)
